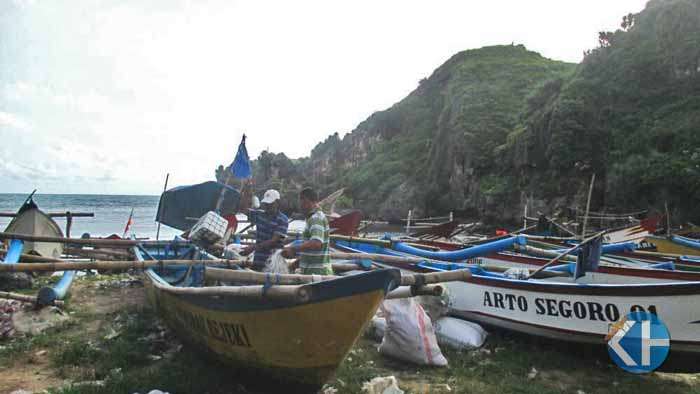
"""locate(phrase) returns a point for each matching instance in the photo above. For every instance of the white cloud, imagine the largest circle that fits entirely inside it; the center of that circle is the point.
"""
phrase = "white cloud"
(10, 120)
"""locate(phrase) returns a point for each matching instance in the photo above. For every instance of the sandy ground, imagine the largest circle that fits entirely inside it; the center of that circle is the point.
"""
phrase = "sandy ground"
(33, 372)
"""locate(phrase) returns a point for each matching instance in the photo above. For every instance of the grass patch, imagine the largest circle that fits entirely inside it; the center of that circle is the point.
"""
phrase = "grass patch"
(503, 367)
(17, 348)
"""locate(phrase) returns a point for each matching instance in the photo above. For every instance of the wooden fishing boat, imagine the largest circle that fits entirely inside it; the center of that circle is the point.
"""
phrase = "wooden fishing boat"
(674, 244)
(30, 220)
(557, 308)
(635, 232)
(441, 230)
(292, 334)
(346, 224)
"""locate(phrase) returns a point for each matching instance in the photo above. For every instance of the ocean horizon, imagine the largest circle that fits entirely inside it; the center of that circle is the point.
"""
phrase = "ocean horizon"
(111, 213)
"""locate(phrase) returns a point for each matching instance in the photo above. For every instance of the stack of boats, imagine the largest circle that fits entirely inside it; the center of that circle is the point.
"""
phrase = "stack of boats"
(298, 329)
(553, 303)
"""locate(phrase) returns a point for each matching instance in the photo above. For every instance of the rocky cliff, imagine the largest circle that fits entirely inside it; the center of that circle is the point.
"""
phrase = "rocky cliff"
(498, 126)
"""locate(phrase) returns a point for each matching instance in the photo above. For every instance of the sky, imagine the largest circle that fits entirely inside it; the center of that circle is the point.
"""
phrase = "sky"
(108, 96)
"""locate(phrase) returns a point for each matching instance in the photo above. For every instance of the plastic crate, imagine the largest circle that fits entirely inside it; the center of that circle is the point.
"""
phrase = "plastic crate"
(209, 228)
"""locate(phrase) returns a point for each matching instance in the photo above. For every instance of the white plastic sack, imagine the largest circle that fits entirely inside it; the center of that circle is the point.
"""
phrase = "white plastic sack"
(409, 334)
(382, 385)
(459, 334)
(276, 264)
(377, 328)
(436, 307)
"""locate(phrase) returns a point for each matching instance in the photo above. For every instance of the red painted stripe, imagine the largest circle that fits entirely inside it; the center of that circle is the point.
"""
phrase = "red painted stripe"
(421, 328)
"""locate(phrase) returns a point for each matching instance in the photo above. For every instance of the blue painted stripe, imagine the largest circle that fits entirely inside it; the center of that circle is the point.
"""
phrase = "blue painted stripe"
(463, 254)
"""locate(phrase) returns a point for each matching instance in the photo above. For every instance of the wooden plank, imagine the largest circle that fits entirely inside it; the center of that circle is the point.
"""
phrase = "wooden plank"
(76, 241)
(55, 214)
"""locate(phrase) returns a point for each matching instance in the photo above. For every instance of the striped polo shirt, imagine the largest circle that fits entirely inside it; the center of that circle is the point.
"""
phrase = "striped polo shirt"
(265, 227)
(316, 228)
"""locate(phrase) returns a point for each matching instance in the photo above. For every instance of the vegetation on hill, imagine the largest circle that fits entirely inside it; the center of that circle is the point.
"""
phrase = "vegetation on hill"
(496, 127)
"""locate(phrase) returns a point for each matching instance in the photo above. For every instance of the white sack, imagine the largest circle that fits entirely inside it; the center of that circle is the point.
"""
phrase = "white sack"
(459, 334)
(409, 334)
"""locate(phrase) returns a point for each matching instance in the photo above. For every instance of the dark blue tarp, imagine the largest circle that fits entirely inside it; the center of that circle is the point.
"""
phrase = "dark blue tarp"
(180, 207)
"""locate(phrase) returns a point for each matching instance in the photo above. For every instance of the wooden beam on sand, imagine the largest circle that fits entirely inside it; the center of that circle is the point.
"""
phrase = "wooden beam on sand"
(25, 298)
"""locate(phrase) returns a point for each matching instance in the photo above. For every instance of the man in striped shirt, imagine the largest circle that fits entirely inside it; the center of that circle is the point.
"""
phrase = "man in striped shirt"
(314, 258)
(270, 229)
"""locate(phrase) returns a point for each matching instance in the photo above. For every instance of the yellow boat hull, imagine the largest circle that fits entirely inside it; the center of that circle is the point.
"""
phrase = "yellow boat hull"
(664, 245)
(300, 344)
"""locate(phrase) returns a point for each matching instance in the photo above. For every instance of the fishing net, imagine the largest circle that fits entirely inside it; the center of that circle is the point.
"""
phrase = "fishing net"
(276, 263)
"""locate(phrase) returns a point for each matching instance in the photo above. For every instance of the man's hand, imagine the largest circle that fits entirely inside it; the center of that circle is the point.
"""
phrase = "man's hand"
(247, 250)
(288, 252)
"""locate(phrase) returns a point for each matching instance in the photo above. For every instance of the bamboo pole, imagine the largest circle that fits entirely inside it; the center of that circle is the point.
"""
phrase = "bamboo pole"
(228, 275)
(106, 265)
(379, 242)
(25, 298)
(435, 277)
(69, 223)
(31, 258)
(77, 241)
(588, 207)
(54, 214)
(378, 257)
(290, 279)
(531, 250)
(297, 294)
(564, 253)
(95, 252)
(538, 275)
(411, 291)
(165, 187)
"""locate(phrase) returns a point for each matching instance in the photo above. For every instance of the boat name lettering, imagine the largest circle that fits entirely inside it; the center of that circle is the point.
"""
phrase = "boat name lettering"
(235, 334)
(588, 310)
(232, 333)
(505, 301)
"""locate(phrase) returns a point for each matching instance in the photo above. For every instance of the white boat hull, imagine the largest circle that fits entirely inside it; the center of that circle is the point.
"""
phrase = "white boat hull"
(577, 312)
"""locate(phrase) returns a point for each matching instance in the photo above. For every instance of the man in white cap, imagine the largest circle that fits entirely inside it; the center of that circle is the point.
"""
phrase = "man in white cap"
(270, 229)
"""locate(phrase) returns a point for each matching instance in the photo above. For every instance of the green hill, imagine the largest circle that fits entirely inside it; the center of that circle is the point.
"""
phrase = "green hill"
(498, 126)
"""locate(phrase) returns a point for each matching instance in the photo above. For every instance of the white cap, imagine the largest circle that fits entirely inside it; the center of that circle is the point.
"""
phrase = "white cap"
(270, 196)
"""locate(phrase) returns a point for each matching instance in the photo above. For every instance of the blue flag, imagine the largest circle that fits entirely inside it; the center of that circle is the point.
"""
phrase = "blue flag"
(240, 168)
(588, 257)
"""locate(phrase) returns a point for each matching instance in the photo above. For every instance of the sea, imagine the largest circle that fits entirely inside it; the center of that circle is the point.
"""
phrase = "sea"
(111, 213)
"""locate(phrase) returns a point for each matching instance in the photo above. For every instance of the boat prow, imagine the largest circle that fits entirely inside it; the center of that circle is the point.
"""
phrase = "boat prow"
(31, 220)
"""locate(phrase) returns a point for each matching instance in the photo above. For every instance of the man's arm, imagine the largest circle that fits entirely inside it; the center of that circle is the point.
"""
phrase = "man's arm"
(310, 245)
(314, 243)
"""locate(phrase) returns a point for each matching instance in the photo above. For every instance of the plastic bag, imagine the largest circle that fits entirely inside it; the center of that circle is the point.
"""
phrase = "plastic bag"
(409, 334)
(276, 264)
(377, 328)
(459, 334)
(233, 252)
(382, 385)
